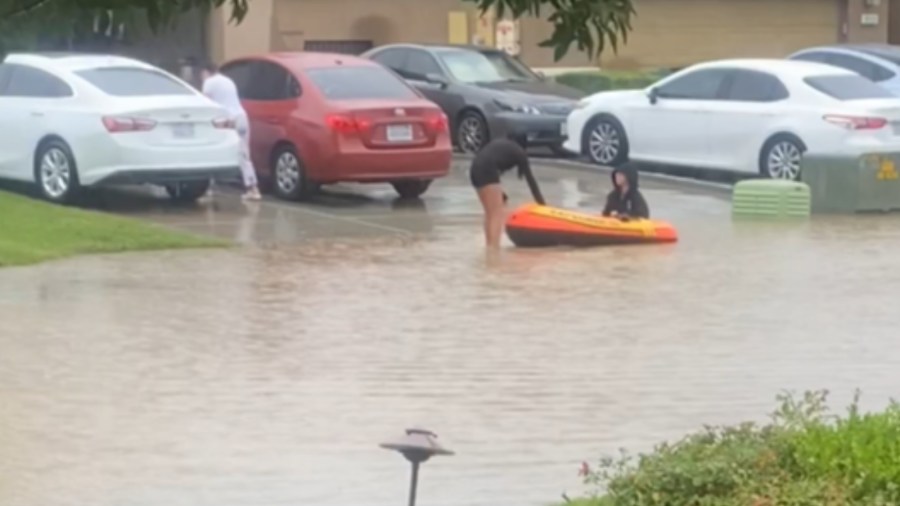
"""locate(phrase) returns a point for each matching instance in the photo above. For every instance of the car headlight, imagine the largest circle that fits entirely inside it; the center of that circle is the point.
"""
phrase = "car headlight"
(522, 108)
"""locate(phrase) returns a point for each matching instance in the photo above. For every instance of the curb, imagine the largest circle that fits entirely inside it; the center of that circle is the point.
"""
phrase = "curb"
(581, 166)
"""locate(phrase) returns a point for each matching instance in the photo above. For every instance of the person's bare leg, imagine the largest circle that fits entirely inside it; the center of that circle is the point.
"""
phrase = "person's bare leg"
(491, 197)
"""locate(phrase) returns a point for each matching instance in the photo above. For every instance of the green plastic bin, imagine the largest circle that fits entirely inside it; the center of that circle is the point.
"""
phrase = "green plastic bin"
(851, 184)
(773, 198)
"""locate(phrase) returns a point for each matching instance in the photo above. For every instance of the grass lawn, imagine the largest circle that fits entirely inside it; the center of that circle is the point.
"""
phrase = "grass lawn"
(32, 231)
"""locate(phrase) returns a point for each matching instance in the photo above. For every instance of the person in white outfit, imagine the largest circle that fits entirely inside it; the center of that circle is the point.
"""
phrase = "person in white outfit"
(222, 90)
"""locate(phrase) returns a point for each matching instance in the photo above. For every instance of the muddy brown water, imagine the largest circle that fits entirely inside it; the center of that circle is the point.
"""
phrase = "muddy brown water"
(267, 375)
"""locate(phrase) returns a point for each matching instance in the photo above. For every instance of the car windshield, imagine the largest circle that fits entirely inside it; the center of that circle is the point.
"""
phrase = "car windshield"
(487, 67)
(359, 83)
(892, 56)
(847, 87)
(133, 82)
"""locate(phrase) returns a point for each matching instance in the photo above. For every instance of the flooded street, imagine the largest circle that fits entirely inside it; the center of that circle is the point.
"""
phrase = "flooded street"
(268, 374)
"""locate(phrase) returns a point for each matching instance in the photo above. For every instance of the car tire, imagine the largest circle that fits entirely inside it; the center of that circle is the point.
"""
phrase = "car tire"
(410, 189)
(605, 142)
(56, 172)
(781, 158)
(187, 192)
(289, 180)
(472, 132)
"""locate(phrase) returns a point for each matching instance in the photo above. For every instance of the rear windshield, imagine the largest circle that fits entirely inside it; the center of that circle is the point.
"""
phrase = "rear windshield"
(359, 83)
(133, 82)
(847, 87)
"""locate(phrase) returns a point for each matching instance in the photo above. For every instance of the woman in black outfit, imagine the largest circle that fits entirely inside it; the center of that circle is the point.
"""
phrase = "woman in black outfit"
(499, 156)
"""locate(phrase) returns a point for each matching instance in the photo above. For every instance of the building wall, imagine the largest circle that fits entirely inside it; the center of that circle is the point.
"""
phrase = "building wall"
(666, 33)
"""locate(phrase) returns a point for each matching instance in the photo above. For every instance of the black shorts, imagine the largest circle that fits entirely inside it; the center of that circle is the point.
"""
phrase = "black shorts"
(483, 175)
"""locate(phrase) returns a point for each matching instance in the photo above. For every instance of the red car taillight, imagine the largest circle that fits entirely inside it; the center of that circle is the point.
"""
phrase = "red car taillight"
(346, 124)
(856, 122)
(224, 123)
(118, 124)
(438, 123)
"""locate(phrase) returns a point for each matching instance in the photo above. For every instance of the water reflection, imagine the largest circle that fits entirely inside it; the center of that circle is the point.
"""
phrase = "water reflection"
(269, 375)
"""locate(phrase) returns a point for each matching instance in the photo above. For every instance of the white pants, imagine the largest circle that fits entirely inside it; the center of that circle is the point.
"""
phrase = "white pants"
(247, 170)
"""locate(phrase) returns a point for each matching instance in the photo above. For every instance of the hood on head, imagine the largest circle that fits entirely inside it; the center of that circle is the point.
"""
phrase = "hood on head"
(631, 176)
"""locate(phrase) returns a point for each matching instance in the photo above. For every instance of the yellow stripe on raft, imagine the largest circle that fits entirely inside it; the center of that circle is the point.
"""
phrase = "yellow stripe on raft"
(639, 227)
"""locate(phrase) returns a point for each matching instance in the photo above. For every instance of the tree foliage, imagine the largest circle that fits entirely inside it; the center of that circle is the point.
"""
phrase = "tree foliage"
(592, 25)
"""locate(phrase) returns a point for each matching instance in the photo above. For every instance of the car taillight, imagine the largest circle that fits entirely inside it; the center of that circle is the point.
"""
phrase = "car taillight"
(438, 123)
(346, 124)
(856, 122)
(119, 124)
(224, 123)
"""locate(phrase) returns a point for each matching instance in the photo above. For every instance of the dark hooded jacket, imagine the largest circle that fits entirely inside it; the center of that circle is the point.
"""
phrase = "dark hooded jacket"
(630, 204)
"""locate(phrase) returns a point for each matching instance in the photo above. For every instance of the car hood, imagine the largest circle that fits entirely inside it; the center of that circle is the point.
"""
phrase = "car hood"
(616, 95)
(533, 91)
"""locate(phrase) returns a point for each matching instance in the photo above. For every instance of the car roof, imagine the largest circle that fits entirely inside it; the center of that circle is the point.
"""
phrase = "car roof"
(792, 68)
(312, 59)
(73, 61)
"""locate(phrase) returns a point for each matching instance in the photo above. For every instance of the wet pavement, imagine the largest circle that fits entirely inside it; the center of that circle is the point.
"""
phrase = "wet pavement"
(267, 374)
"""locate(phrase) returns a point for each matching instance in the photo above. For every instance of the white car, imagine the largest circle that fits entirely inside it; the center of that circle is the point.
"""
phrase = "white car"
(68, 121)
(747, 116)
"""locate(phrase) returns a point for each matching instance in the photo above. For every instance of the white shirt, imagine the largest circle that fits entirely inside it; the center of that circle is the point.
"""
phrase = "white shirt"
(221, 89)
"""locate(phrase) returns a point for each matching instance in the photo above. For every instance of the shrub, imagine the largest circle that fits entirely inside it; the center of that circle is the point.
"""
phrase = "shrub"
(804, 457)
(592, 82)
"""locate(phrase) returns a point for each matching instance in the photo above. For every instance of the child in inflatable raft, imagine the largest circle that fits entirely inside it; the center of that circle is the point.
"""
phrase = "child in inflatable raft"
(625, 200)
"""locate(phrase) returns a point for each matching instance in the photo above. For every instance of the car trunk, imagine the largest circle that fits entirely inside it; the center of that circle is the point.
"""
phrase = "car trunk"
(389, 125)
(166, 121)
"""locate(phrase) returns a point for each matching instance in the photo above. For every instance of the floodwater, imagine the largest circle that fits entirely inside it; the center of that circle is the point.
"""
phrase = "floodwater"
(268, 374)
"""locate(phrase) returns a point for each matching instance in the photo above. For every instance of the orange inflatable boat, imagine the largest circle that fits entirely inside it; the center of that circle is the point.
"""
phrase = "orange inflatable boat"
(535, 226)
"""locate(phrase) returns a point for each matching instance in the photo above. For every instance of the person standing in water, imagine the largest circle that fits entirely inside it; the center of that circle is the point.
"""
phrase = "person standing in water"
(222, 90)
(625, 201)
(497, 157)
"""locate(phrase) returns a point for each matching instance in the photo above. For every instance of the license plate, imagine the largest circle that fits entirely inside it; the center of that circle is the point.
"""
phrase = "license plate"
(399, 133)
(563, 130)
(183, 130)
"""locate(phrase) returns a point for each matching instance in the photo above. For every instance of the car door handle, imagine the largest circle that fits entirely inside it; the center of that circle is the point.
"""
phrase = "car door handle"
(37, 114)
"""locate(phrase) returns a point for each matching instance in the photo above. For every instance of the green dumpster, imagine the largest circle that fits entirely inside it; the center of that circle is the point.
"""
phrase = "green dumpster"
(774, 198)
(850, 184)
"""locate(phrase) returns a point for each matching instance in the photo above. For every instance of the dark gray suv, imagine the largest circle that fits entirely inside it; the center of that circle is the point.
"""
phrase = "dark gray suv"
(484, 92)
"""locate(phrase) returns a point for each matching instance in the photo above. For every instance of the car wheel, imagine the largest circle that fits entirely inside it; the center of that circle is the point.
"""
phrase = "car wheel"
(56, 173)
(187, 192)
(411, 188)
(781, 157)
(605, 141)
(289, 180)
(472, 132)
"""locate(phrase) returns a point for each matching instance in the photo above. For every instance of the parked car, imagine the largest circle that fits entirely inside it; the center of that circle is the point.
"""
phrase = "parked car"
(879, 63)
(484, 92)
(749, 116)
(70, 121)
(320, 118)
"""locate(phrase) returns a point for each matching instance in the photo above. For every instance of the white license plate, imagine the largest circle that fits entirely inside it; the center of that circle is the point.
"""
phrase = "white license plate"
(183, 130)
(563, 130)
(399, 133)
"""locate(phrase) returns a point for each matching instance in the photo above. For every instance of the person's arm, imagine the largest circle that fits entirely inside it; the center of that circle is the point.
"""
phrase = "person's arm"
(610, 204)
(525, 172)
(639, 207)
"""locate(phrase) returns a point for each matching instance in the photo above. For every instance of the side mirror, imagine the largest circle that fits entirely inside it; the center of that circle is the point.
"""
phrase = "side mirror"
(437, 79)
(541, 75)
(653, 95)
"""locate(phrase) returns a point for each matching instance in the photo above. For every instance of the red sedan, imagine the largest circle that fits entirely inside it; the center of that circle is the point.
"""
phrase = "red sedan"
(318, 118)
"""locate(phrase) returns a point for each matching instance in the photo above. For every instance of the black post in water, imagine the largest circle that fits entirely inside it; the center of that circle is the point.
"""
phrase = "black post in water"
(417, 446)
(413, 484)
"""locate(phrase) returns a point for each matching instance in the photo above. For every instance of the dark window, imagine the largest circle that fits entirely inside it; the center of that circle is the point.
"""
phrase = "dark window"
(698, 85)
(133, 82)
(391, 58)
(865, 68)
(847, 87)
(815, 56)
(354, 47)
(5, 72)
(753, 86)
(355, 83)
(891, 55)
(31, 82)
(419, 64)
(262, 80)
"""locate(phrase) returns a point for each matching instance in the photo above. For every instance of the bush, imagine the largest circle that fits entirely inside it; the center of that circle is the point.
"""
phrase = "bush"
(804, 457)
(592, 82)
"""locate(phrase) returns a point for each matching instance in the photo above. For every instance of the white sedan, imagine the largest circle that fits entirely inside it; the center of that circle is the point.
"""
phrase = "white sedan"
(68, 121)
(748, 116)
